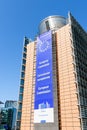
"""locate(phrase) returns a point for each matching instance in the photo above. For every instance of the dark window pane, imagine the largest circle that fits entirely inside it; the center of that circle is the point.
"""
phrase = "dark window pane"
(23, 67)
(21, 89)
(25, 50)
(47, 25)
(19, 116)
(22, 74)
(24, 55)
(22, 82)
(24, 61)
(20, 97)
(20, 106)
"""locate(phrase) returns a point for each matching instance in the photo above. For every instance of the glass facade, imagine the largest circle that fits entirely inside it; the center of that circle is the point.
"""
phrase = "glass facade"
(10, 103)
(6, 118)
(80, 56)
(26, 41)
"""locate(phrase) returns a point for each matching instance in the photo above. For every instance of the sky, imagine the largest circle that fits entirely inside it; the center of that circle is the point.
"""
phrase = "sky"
(19, 18)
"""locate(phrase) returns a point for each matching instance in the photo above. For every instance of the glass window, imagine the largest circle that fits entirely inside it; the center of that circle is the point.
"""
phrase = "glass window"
(23, 67)
(20, 97)
(22, 82)
(25, 49)
(24, 61)
(21, 89)
(22, 74)
(18, 124)
(47, 25)
(24, 55)
(26, 41)
(20, 106)
(19, 116)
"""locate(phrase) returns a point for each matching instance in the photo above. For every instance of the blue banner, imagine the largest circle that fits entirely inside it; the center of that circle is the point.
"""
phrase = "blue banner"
(44, 79)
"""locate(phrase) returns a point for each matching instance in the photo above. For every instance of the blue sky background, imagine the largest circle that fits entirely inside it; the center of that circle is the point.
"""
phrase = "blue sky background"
(19, 18)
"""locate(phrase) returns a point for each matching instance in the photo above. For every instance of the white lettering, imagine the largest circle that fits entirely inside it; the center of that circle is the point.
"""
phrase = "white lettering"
(42, 88)
(42, 62)
(47, 73)
(41, 79)
(44, 65)
(43, 92)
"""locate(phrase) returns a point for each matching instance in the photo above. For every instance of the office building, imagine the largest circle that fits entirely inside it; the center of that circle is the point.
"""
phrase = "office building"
(11, 103)
(6, 119)
(1, 102)
(8, 115)
(53, 84)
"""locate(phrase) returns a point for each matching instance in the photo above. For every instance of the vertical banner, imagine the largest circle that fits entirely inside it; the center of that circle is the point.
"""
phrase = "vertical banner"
(43, 105)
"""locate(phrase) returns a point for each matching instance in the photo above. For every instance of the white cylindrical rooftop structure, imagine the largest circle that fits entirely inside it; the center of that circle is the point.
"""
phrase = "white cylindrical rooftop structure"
(51, 23)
